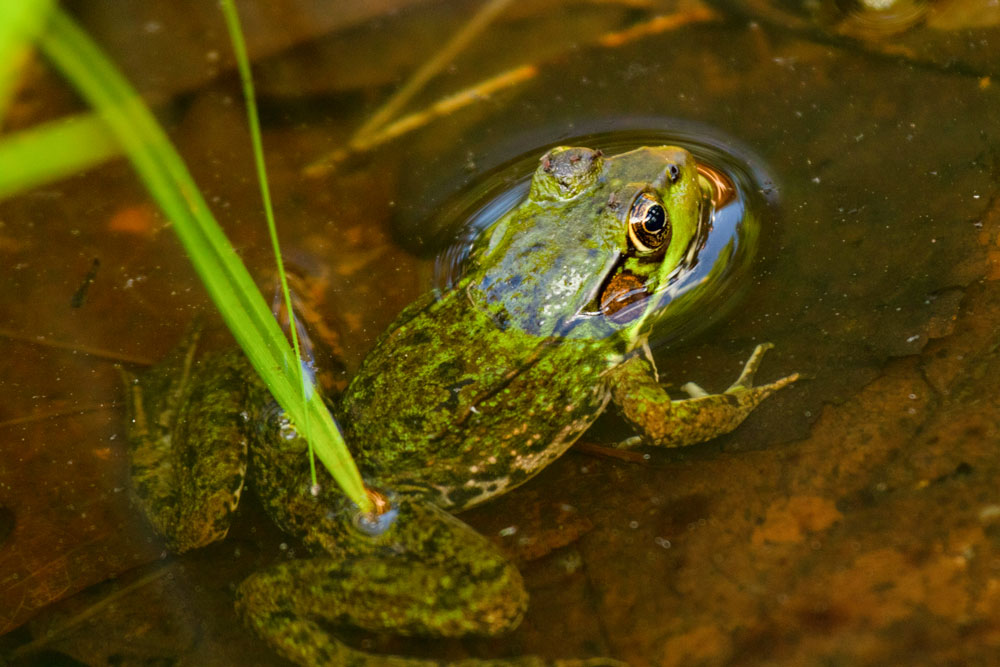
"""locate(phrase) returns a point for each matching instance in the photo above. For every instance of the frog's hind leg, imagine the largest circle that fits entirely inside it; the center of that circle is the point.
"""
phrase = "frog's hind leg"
(187, 450)
(665, 422)
(745, 380)
(427, 575)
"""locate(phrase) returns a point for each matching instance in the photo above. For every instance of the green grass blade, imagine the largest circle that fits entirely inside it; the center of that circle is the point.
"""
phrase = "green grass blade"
(222, 272)
(253, 120)
(54, 150)
(20, 23)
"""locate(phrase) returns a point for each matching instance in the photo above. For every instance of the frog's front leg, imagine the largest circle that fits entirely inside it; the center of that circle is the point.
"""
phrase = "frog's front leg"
(664, 422)
(428, 575)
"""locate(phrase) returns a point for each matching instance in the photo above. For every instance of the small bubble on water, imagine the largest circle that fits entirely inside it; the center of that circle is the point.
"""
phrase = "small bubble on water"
(633, 524)
(913, 397)
(508, 531)
(663, 542)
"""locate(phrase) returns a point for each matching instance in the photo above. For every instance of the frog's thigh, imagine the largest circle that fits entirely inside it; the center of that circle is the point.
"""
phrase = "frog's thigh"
(429, 575)
(187, 476)
(669, 423)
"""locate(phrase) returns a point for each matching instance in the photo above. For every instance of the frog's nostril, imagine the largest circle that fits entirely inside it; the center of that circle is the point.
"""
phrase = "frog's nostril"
(675, 172)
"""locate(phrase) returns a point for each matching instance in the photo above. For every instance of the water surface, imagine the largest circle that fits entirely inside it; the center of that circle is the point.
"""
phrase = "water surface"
(853, 519)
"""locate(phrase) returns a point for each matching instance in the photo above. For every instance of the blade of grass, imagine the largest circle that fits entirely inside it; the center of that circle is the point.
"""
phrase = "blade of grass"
(20, 23)
(253, 120)
(221, 270)
(54, 150)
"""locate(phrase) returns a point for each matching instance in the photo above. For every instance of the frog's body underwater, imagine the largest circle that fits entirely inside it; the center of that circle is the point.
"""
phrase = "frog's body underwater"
(467, 395)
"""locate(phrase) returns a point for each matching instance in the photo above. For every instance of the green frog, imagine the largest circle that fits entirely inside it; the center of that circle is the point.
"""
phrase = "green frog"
(467, 395)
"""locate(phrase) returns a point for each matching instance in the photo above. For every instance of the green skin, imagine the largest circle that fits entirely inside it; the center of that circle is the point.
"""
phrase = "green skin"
(466, 396)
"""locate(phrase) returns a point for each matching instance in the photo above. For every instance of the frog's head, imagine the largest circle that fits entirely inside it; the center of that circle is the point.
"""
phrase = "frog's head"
(591, 250)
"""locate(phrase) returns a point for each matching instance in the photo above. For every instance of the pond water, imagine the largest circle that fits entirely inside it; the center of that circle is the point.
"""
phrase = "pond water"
(854, 518)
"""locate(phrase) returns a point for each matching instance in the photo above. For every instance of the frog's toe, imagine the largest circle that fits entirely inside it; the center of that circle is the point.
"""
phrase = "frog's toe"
(693, 390)
(772, 387)
(745, 380)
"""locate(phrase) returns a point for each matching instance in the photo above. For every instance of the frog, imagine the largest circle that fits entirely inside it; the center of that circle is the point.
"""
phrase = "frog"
(472, 391)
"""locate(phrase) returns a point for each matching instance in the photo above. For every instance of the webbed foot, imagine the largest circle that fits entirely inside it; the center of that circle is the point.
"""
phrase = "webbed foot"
(662, 421)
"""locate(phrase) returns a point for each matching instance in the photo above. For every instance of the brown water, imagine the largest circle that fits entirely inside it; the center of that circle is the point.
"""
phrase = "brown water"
(853, 519)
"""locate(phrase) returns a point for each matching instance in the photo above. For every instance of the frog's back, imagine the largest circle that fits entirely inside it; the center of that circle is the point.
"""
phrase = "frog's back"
(451, 403)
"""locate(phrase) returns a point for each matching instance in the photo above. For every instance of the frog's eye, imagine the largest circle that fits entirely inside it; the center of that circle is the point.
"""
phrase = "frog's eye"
(648, 224)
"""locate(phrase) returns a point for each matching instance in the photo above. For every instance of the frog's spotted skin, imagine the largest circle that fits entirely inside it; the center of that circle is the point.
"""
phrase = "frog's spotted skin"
(466, 396)
(188, 452)
(477, 427)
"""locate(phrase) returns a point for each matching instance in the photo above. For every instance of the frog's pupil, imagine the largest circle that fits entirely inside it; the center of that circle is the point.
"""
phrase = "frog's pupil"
(654, 219)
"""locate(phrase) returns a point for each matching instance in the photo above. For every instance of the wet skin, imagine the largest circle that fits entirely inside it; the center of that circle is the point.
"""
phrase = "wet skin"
(468, 394)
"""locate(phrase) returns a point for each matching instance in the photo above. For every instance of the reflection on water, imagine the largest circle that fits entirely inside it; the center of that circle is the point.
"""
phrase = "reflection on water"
(739, 199)
(879, 17)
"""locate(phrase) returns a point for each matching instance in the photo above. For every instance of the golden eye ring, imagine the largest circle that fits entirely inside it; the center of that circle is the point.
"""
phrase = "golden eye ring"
(649, 227)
